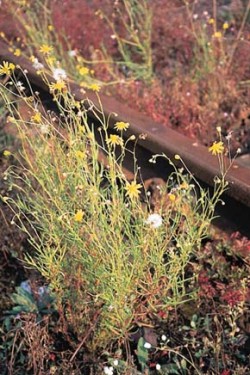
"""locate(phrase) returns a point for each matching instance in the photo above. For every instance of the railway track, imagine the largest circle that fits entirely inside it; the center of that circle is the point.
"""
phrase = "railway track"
(158, 139)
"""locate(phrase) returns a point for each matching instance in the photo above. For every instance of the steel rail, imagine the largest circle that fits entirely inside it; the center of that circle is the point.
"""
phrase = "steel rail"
(159, 139)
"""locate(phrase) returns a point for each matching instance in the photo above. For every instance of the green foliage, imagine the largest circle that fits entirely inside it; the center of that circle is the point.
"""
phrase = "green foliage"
(142, 354)
(93, 243)
(25, 302)
(135, 45)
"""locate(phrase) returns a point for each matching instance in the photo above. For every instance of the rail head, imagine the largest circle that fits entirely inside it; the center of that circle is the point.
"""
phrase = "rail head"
(159, 139)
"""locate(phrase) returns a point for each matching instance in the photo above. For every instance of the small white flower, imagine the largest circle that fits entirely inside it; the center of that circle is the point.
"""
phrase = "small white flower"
(147, 345)
(154, 220)
(108, 370)
(229, 136)
(72, 53)
(238, 151)
(59, 74)
(164, 337)
(37, 65)
(115, 362)
(80, 113)
(195, 16)
(20, 86)
(158, 367)
(45, 129)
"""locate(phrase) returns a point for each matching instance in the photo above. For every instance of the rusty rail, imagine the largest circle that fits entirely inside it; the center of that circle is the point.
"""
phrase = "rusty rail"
(159, 139)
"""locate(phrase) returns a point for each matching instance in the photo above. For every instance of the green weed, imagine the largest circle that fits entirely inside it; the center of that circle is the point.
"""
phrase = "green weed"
(109, 262)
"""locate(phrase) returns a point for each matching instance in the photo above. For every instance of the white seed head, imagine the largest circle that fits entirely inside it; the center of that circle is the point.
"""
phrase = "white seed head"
(158, 367)
(154, 221)
(59, 74)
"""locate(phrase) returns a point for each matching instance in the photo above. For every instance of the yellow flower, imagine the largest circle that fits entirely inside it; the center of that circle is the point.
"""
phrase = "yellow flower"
(78, 216)
(7, 68)
(46, 49)
(17, 52)
(133, 189)
(211, 21)
(225, 26)
(57, 86)
(94, 87)
(82, 129)
(172, 197)
(50, 27)
(184, 185)
(121, 125)
(23, 2)
(6, 153)
(83, 71)
(114, 140)
(217, 35)
(50, 60)
(37, 117)
(216, 148)
(79, 154)
(11, 119)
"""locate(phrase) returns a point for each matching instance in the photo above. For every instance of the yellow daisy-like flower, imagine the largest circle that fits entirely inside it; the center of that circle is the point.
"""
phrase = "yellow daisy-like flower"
(94, 87)
(225, 26)
(211, 21)
(50, 27)
(57, 86)
(23, 2)
(184, 185)
(79, 216)
(217, 35)
(83, 71)
(17, 52)
(172, 197)
(120, 126)
(46, 49)
(6, 153)
(7, 68)
(133, 189)
(80, 155)
(37, 117)
(216, 148)
(114, 140)
(82, 129)
(51, 60)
